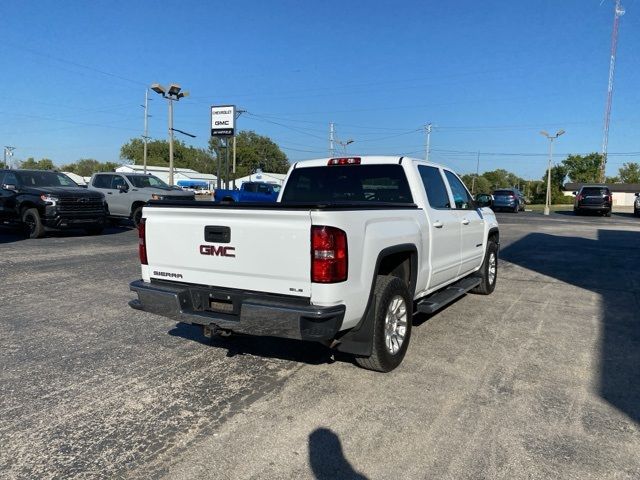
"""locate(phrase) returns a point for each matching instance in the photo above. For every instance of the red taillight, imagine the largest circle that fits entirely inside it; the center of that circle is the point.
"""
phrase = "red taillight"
(579, 198)
(329, 259)
(142, 245)
(345, 161)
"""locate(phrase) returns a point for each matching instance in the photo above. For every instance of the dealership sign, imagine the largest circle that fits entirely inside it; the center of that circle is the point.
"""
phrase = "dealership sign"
(223, 120)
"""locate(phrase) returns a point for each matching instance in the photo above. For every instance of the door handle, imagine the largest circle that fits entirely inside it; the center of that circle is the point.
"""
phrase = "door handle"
(109, 193)
(438, 224)
(465, 221)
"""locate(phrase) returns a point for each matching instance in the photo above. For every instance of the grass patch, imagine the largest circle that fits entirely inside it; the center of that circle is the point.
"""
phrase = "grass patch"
(553, 208)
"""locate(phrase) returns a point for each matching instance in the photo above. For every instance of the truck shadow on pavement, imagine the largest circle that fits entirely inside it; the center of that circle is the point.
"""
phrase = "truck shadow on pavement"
(327, 459)
(608, 266)
(269, 347)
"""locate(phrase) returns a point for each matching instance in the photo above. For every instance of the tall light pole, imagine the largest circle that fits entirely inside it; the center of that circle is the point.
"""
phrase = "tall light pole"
(551, 139)
(172, 94)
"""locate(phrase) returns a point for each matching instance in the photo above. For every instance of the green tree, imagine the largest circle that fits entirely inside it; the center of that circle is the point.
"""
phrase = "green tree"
(583, 168)
(558, 176)
(85, 167)
(629, 173)
(253, 151)
(42, 164)
(184, 156)
(502, 178)
(481, 184)
(3, 165)
(612, 180)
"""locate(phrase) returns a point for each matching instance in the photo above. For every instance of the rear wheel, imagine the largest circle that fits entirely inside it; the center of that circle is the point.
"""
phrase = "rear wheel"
(31, 219)
(392, 327)
(488, 272)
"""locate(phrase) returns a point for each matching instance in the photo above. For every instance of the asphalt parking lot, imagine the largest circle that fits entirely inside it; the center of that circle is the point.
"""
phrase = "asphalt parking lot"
(539, 380)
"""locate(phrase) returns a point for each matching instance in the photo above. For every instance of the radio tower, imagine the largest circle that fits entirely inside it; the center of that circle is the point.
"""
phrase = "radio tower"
(619, 11)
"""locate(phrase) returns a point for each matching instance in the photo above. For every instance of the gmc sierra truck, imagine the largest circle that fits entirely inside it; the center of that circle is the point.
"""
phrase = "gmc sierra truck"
(353, 247)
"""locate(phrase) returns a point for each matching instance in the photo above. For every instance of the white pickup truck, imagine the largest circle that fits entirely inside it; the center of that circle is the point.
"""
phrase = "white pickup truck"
(353, 247)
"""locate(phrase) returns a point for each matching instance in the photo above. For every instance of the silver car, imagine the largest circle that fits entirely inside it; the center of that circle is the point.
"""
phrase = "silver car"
(127, 193)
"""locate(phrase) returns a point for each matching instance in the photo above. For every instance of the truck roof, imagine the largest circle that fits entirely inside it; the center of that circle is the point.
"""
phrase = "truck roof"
(365, 160)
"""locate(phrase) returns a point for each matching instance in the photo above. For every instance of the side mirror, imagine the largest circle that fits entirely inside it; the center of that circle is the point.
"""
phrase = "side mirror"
(123, 188)
(483, 200)
(637, 194)
(12, 187)
(574, 193)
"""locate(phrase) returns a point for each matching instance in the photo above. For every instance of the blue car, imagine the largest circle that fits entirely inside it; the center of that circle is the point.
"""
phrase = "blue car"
(510, 199)
(249, 192)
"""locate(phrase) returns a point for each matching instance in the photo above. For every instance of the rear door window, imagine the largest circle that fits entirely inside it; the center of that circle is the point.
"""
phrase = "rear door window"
(437, 194)
(102, 181)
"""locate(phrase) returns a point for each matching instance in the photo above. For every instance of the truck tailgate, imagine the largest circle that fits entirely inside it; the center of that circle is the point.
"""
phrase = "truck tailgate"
(261, 250)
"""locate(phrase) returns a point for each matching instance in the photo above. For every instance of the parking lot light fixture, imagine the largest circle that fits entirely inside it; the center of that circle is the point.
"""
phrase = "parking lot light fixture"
(173, 93)
(551, 138)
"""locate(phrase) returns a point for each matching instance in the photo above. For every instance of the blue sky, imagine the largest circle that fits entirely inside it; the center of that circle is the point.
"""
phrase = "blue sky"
(489, 75)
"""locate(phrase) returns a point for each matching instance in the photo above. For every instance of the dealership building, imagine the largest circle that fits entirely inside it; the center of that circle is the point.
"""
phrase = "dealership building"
(181, 176)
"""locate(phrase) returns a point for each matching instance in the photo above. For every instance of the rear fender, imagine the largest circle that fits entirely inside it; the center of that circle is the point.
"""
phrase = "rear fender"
(359, 339)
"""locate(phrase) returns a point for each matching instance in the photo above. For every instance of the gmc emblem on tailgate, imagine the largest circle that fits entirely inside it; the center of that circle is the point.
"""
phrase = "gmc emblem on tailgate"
(217, 251)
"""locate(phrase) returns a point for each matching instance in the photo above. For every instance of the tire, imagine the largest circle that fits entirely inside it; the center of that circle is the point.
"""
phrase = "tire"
(607, 214)
(136, 215)
(516, 209)
(31, 219)
(636, 212)
(392, 328)
(577, 212)
(94, 230)
(487, 278)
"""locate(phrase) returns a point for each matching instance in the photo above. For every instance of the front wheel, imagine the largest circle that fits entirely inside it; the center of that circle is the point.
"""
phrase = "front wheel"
(31, 218)
(392, 327)
(636, 212)
(136, 216)
(488, 272)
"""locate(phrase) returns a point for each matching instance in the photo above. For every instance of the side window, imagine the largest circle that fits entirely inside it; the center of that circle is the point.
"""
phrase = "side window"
(117, 182)
(262, 188)
(434, 186)
(250, 187)
(460, 194)
(102, 181)
(10, 179)
(1, 179)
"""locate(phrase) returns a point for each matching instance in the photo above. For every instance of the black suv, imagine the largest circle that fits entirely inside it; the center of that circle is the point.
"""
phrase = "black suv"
(42, 200)
(593, 198)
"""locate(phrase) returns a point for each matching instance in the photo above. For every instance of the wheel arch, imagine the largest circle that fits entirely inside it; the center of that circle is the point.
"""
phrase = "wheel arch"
(136, 204)
(398, 260)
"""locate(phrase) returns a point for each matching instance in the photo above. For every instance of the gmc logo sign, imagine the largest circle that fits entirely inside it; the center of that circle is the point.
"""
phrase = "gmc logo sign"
(217, 251)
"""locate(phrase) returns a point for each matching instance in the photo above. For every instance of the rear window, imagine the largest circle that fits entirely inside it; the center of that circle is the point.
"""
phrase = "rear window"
(503, 192)
(349, 183)
(595, 191)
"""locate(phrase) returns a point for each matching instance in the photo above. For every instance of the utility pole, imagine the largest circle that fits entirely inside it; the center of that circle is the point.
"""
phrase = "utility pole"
(427, 148)
(146, 128)
(551, 139)
(618, 12)
(238, 113)
(473, 182)
(8, 150)
(331, 140)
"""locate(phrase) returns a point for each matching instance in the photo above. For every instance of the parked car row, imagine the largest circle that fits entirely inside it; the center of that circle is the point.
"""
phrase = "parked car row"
(41, 201)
